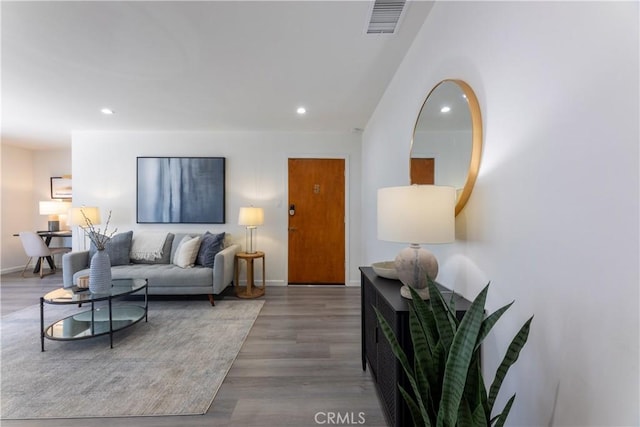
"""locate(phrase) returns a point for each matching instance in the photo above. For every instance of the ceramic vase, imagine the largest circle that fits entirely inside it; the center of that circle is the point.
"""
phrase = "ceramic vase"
(100, 273)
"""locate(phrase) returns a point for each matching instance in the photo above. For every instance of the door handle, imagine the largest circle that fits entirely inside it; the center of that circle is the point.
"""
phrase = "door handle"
(292, 210)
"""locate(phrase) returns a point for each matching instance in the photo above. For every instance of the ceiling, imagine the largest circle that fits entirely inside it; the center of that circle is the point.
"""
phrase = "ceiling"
(203, 65)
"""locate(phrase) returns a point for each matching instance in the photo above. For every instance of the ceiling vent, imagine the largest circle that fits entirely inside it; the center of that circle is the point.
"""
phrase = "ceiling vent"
(385, 15)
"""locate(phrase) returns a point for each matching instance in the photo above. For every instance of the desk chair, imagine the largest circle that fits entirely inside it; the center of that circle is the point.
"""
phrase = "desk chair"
(34, 246)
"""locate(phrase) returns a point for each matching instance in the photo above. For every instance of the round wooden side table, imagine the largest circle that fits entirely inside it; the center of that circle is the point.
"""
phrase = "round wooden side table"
(249, 291)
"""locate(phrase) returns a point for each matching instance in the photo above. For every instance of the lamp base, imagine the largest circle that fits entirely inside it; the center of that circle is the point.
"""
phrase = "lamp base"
(413, 265)
(249, 237)
(54, 225)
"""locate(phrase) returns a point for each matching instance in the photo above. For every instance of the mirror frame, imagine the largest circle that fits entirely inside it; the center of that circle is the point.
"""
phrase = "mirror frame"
(476, 139)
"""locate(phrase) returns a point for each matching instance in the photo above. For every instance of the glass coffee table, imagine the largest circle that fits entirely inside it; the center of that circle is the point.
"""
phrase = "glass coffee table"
(95, 321)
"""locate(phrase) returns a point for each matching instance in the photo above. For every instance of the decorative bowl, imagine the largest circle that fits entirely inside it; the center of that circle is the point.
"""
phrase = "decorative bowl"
(386, 269)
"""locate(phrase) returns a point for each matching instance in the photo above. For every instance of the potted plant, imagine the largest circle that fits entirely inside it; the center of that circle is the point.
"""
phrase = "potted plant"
(447, 388)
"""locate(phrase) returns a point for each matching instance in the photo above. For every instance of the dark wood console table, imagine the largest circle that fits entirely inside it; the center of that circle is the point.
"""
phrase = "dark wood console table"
(384, 294)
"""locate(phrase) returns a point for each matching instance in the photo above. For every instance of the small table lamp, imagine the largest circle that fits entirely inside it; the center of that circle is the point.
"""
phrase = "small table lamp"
(416, 214)
(250, 217)
(53, 210)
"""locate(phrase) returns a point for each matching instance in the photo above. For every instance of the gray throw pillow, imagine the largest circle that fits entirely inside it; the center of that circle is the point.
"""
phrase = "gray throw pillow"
(210, 245)
(118, 248)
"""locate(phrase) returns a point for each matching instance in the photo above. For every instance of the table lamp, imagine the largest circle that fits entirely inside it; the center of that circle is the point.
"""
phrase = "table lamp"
(92, 213)
(53, 210)
(416, 214)
(250, 217)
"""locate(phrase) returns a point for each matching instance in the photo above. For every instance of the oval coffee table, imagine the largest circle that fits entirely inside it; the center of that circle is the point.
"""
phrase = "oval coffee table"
(95, 321)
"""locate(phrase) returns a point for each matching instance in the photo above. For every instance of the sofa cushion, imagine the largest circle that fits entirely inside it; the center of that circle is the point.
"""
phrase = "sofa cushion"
(117, 248)
(210, 245)
(187, 252)
(166, 253)
(161, 276)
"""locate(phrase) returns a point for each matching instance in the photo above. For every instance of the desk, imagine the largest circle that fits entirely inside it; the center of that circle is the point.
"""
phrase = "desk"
(47, 236)
(250, 291)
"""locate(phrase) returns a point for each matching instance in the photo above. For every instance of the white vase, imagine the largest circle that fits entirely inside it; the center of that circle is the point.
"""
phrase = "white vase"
(100, 273)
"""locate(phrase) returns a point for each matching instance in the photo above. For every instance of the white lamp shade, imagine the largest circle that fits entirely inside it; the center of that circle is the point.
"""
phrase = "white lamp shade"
(417, 214)
(251, 216)
(91, 212)
(53, 207)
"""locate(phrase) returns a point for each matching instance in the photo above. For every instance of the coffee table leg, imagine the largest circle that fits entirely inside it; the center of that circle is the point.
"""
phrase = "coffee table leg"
(110, 325)
(146, 303)
(41, 324)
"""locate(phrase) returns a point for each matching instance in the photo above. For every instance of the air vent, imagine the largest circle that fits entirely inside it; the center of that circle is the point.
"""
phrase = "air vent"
(385, 15)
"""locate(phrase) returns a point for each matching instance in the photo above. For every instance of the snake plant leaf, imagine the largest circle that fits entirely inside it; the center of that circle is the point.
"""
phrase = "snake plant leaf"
(435, 375)
(479, 418)
(418, 419)
(402, 358)
(425, 316)
(458, 361)
(421, 355)
(465, 418)
(419, 335)
(446, 330)
(488, 323)
(475, 392)
(510, 357)
(500, 419)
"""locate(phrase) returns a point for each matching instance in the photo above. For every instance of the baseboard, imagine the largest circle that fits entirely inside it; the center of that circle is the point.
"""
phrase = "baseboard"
(12, 269)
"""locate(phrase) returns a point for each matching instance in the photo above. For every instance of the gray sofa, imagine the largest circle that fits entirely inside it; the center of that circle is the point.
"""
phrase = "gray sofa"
(164, 277)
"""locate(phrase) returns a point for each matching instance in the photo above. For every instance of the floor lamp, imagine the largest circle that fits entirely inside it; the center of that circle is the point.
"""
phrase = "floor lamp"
(77, 218)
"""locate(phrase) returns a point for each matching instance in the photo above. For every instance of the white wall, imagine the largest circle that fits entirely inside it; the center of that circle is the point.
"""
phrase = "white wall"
(553, 220)
(25, 182)
(104, 175)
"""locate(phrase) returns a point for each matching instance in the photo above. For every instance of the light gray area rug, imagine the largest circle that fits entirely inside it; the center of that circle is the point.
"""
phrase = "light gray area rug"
(172, 365)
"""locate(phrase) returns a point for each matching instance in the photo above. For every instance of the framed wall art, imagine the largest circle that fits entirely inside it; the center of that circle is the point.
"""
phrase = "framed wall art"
(61, 187)
(187, 190)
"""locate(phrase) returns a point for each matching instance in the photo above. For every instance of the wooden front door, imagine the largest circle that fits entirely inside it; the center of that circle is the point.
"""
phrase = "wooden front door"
(422, 171)
(316, 221)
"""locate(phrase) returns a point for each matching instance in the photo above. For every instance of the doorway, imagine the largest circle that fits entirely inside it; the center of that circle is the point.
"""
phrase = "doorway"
(422, 170)
(316, 221)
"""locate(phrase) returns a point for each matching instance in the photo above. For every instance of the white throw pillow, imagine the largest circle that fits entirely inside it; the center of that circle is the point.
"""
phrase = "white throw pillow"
(187, 252)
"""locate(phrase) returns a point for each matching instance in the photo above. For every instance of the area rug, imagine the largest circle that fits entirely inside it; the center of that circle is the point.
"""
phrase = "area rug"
(172, 365)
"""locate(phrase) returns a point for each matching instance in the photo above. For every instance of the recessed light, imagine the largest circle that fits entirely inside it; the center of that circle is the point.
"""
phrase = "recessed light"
(301, 110)
(445, 109)
(107, 111)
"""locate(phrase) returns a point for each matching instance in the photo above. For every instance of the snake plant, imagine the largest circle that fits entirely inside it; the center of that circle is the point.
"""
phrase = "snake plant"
(447, 387)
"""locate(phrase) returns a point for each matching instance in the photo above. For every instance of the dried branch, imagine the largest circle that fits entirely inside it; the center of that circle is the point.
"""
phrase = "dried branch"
(99, 239)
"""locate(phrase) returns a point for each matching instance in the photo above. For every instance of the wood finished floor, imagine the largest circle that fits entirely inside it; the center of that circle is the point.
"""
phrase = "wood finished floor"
(301, 358)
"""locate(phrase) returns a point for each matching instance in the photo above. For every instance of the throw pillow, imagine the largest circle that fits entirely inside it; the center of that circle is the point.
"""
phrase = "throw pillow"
(117, 247)
(210, 246)
(187, 252)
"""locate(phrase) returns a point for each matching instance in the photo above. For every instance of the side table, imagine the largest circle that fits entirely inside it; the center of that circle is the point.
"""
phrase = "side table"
(250, 291)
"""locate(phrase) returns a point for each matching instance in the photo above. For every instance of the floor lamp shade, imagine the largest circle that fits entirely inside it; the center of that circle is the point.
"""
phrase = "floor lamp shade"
(76, 217)
(416, 214)
(92, 213)
(250, 217)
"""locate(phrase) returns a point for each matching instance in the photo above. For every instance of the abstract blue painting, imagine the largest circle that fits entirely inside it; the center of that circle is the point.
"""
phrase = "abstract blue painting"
(181, 190)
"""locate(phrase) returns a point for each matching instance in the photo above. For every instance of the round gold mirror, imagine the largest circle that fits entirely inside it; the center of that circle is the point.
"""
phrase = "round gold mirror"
(447, 139)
